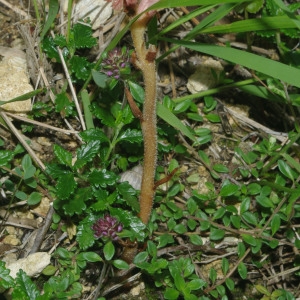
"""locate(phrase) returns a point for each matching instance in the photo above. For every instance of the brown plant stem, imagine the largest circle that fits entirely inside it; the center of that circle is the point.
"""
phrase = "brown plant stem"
(146, 62)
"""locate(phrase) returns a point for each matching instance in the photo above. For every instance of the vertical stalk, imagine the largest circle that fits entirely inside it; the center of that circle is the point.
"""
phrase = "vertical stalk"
(146, 62)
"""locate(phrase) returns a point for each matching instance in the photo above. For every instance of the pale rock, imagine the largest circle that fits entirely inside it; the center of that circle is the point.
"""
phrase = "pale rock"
(32, 265)
(11, 239)
(98, 11)
(205, 75)
(133, 177)
(14, 80)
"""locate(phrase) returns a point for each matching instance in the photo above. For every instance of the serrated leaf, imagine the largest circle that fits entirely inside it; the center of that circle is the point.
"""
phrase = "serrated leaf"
(76, 205)
(85, 234)
(131, 135)
(5, 157)
(230, 284)
(63, 105)
(24, 287)
(180, 229)
(109, 250)
(103, 115)
(152, 249)
(65, 186)
(63, 156)
(80, 66)
(94, 134)
(102, 178)
(86, 153)
(6, 280)
(83, 36)
(129, 195)
(129, 220)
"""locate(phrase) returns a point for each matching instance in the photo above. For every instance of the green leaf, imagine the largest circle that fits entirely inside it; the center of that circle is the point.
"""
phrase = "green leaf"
(129, 195)
(85, 234)
(216, 234)
(136, 91)
(129, 220)
(171, 294)
(94, 134)
(120, 264)
(140, 257)
(275, 223)
(241, 249)
(80, 66)
(152, 249)
(164, 240)
(131, 135)
(89, 256)
(196, 239)
(25, 288)
(65, 186)
(250, 218)
(229, 190)
(76, 204)
(102, 178)
(286, 170)
(264, 201)
(219, 213)
(52, 13)
(172, 120)
(180, 228)
(249, 239)
(220, 168)
(64, 105)
(242, 270)
(63, 156)
(254, 6)
(230, 284)
(5, 157)
(109, 250)
(34, 198)
(263, 290)
(261, 64)
(86, 153)
(6, 280)
(225, 265)
(83, 36)
(100, 78)
(103, 115)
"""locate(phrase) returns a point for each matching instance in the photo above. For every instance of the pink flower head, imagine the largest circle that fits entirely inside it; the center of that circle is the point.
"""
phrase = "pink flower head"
(121, 4)
(144, 4)
(107, 227)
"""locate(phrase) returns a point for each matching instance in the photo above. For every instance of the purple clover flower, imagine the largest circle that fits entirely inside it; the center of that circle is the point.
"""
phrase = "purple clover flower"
(116, 63)
(107, 227)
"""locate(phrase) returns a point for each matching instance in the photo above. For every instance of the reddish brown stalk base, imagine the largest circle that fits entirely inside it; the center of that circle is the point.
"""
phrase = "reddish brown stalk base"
(146, 62)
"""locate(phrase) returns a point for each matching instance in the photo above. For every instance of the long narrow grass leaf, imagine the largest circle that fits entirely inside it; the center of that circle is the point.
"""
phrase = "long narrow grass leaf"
(255, 62)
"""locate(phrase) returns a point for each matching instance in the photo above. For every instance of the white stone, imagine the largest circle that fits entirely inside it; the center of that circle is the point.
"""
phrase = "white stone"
(14, 80)
(32, 265)
(97, 10)
(206, 76)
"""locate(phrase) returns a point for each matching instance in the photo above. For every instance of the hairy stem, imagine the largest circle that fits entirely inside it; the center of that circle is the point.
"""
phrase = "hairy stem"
(146, 62)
